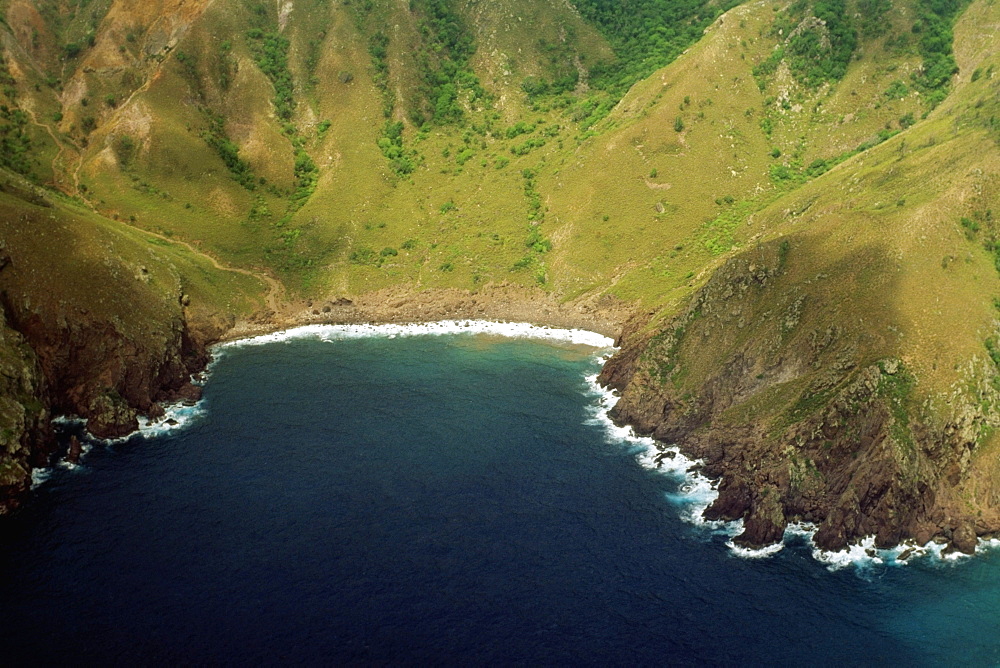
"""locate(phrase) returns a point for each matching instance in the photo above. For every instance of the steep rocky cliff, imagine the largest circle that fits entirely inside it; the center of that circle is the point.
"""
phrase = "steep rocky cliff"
(96, 323)
(803, 421)
(24, 416)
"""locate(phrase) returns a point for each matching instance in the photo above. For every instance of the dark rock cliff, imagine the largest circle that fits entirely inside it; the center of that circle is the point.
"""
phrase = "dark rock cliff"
(24, 416)
(86, 369)
(92, 324)
(800, 418)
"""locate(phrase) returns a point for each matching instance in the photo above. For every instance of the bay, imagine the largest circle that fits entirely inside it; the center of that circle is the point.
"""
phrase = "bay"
(432, 499)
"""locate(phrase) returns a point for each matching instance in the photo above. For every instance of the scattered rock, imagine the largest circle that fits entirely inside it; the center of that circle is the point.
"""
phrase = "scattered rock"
(111, 417)
(963, 539)
(667, 454)
(188, 394)
(73, 453)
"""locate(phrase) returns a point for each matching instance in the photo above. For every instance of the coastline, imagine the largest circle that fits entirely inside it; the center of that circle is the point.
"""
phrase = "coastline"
(695, 490)
(401, 306)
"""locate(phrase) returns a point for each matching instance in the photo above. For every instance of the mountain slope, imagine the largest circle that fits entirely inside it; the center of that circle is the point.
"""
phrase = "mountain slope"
(797, 209)
(99, 321)
(842, 370)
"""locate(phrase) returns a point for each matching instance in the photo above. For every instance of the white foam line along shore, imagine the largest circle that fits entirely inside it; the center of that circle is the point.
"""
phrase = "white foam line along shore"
(179, 416)
(696, 493)
(512, 330)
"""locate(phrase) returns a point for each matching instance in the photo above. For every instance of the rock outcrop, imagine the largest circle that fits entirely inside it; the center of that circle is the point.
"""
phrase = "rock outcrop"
(88, 370)
(93, 325)
(24, 416)
(800, 419)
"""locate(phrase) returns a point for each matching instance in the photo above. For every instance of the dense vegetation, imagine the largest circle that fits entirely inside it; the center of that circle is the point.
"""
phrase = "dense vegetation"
(936, 18)
(215, 136)
(402, 160)
(821, 40)
(645, 34)
(818, 42)
(378, 50)
(15, 145)
(270, 50)
(446, 77)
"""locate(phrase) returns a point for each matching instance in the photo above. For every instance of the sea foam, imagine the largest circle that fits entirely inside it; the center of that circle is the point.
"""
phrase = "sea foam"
(695, 493)
(182, 415)
(512, 330)
(175, 418)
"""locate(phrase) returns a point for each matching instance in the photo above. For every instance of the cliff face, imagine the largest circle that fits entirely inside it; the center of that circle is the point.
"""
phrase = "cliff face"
(807, 417)
(95, 322)
(24, 416)
(97, 371)
(84, 368)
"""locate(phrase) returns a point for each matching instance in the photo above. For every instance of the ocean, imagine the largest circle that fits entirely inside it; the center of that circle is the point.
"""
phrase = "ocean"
(396, 496)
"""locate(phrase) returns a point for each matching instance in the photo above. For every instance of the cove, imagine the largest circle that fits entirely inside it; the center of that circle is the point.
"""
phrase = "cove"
(445, 499)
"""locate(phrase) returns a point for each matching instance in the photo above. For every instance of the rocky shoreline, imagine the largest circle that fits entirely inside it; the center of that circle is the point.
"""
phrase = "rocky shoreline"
(804, 426)
(95, 371)
(507, 303)
(756, 484)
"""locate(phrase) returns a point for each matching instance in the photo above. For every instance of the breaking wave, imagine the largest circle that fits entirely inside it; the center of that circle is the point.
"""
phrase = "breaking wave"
(511, 330)
(696, 492)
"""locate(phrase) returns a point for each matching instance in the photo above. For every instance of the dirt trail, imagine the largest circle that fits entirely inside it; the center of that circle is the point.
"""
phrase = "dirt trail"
(275, 290)
(59, 142)
(273, 299)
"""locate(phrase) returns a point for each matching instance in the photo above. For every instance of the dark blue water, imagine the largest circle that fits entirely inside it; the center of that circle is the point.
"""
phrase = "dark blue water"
(431, 500)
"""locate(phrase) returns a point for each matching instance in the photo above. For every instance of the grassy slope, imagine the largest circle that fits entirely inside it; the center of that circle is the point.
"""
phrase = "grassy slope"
(641, 209)
(465, 219)
(65, 258)
(904, 200)
(707, 177)
(177, 185)
(867, 262)
(712, 174)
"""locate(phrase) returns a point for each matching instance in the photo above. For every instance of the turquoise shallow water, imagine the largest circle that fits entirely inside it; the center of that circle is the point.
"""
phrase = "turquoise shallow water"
(433, 499)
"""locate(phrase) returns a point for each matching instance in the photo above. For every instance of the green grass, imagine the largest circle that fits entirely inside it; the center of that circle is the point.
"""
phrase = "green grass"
(671, 205)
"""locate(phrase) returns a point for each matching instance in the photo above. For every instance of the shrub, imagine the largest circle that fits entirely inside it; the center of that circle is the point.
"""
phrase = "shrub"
(124, 148)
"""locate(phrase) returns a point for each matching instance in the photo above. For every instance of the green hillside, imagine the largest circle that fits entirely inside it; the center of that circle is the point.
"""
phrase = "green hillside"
(776, 202)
